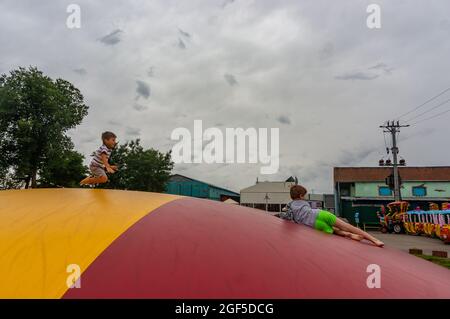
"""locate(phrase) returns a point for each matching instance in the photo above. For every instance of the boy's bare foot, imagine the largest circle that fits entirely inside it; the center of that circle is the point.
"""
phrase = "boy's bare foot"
(85, 181)
(378, 243)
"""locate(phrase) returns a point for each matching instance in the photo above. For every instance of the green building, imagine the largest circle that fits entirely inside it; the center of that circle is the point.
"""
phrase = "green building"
(186, 186)
(363, 189)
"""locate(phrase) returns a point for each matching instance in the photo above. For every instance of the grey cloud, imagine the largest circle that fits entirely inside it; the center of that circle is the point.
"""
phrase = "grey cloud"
(420, 133)
(111, 39)
(378, 66)
(132, 131)
(383, 67)
(284, 119)
(151, 71)
(114, 123)
(184, 33)
(327, 51)
(444, 24)
(142, 89)
(296, 80)
(80, 71)
(89, 139)
(354, 157)
(181, 44)
(231, 80)
(357, 76)
(349, 157)
(308, 175)
(139, 107)
(304, 174)
(227, 2)
(361, 75)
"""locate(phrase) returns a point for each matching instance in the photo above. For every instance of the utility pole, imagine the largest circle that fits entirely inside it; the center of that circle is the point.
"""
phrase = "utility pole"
(266, 198)
(393, 127)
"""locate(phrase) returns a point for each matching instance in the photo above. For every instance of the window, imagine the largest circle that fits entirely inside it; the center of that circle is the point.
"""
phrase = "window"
(345, 192)
(384, 191)
(419, 191)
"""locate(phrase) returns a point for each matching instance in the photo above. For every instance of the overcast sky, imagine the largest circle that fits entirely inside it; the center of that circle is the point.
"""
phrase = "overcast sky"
(311, 68)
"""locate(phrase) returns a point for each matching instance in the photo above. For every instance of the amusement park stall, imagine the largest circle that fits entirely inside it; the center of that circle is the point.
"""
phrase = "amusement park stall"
(364, 190)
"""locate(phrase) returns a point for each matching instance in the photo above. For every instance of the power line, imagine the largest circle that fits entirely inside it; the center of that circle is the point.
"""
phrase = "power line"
(429, 110)
(386, 147)
(424, 103)
(431, 117)
(384, 136)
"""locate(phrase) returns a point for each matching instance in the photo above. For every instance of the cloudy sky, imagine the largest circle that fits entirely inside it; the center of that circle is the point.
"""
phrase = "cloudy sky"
(312, 68)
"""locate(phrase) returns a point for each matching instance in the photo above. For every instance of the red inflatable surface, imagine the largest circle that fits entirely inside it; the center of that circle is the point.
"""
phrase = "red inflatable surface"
(191, 248)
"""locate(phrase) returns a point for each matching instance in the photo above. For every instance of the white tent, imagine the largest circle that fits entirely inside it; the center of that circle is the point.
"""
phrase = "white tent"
(231, 201)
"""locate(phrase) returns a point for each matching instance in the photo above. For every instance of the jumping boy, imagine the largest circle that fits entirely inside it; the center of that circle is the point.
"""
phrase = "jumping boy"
(299, 211)
(99, 165)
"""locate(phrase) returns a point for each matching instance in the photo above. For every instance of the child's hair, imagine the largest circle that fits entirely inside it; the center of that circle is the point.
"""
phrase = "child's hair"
(298, 191)
(107, 135)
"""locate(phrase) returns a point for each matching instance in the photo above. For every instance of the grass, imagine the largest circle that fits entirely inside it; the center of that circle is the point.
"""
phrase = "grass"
(445, 262)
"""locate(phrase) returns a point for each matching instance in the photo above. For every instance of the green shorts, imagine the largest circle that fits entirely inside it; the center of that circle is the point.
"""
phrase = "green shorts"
(325, 222)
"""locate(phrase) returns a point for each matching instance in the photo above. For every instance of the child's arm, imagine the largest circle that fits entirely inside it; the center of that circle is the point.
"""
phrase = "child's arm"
(108, 167)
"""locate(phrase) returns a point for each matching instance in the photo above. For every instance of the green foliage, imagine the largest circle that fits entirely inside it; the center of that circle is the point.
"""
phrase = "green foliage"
(140, 169)
(7, 180)
(445, 262)
(35, 114)
(63, 170)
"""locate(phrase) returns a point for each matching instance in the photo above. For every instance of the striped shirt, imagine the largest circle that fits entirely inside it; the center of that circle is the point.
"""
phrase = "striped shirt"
(97, 156)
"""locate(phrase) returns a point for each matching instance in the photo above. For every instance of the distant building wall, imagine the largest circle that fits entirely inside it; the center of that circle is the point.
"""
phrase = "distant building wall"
(357, 189)
(273, 196)
(186, 186)
(433, 189)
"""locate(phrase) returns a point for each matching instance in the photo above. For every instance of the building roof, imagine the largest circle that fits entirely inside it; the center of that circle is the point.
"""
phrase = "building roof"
(281, 187)
(268, 187)
(375, 174)
(210, 185)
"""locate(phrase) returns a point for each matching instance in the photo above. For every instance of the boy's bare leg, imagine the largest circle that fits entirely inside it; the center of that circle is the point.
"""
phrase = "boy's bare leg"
(94, 180)
(86, 180)
(352, 229)
(347, 234)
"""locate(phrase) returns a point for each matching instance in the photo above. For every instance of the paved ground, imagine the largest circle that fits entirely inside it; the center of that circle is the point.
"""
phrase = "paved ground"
(405, 242)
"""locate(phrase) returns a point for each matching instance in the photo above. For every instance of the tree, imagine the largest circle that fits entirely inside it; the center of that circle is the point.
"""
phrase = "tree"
(35, 114)
(140, 169)
(7, 180)
(63, 170)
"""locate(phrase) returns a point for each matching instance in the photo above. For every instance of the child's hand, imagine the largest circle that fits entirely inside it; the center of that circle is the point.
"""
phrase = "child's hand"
(115, 168)
(110, 170)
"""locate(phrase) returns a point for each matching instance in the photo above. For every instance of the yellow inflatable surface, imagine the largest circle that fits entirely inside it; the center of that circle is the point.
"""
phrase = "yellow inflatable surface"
(41, 236)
